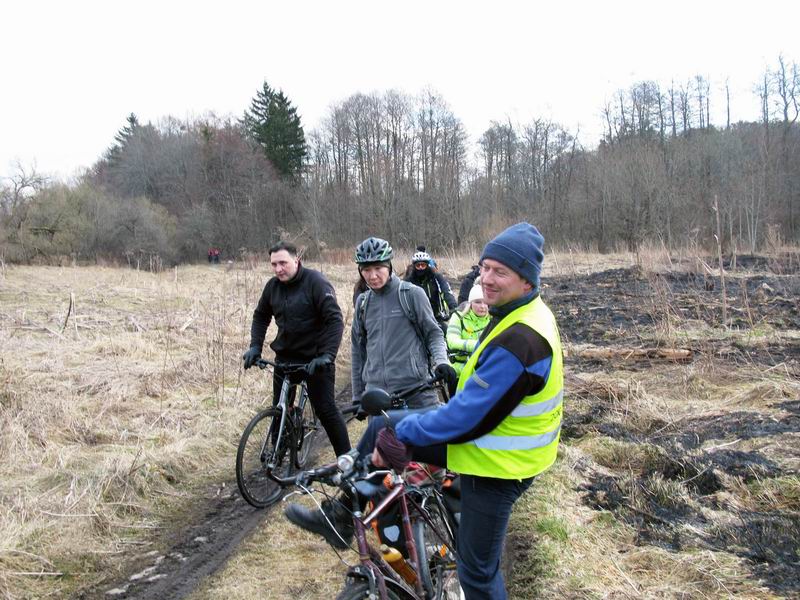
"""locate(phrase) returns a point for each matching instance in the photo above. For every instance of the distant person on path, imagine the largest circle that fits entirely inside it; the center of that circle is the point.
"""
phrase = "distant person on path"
(310, 328)
(501, 429)
(434, 285)
(465, 327)
(468, 283)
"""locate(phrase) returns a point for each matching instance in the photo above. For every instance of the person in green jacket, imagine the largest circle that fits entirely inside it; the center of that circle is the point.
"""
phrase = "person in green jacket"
(465, 327)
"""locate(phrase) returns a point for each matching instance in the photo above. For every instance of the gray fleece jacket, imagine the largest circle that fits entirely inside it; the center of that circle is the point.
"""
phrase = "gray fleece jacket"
(391, 356)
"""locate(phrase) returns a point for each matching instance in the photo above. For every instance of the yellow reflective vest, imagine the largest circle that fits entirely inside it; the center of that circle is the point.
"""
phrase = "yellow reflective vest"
(525, 443)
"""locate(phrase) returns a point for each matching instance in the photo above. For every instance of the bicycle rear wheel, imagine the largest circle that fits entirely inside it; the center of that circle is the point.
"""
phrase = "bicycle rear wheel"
(263, 449)
(306, 429)
(436, 550)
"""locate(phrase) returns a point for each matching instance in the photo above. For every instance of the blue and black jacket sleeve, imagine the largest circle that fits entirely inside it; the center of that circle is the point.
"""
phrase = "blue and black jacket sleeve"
(513, 365)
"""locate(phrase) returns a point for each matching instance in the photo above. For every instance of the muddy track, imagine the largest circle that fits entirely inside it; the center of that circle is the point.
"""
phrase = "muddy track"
(200, 551)
(221, 525)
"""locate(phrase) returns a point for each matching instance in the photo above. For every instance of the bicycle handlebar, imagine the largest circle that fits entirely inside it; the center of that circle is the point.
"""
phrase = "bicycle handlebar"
(347, 464)
(422, 386)
(287, 368)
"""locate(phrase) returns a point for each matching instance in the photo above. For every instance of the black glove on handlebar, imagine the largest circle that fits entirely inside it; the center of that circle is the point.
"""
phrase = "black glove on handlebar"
(318, 364)
(447, 374)
(251, 356)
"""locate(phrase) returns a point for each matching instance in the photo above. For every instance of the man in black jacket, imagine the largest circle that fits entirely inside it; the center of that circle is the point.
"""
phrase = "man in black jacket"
(310, 328)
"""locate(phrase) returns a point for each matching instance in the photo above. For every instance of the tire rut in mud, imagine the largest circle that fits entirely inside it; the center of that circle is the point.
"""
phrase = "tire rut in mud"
(204, 547)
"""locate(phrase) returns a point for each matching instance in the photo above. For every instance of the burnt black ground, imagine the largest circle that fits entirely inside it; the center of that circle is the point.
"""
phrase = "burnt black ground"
(766, 539)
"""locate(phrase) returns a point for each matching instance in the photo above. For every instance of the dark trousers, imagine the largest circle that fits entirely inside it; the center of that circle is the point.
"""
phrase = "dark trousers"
(486, 505)
(322, 395)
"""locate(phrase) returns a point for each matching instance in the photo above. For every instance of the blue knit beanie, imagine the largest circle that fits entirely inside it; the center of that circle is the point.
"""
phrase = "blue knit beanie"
(519, 248)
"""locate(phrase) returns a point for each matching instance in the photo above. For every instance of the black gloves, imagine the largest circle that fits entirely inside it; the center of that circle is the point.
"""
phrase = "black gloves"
(251, 356)
(448, 374)
(318, 364)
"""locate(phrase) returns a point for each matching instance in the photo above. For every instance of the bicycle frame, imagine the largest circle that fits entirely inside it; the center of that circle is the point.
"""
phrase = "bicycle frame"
(400, 494)
(301, 396)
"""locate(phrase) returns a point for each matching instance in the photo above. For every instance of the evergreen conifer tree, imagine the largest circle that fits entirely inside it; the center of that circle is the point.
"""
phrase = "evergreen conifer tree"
(122, 138)
(273, 123)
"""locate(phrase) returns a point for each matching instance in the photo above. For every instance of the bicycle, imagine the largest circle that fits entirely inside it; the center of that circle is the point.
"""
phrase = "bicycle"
(278, 440)
(429, 524)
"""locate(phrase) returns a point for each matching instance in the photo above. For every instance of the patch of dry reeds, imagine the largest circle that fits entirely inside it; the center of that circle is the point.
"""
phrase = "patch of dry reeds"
(121, 394)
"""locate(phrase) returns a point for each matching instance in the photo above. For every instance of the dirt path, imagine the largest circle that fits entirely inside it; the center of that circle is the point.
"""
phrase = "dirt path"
(217, 531)
(200, 551)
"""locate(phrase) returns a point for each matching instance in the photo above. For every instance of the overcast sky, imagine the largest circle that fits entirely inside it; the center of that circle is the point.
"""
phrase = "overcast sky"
(73, 70)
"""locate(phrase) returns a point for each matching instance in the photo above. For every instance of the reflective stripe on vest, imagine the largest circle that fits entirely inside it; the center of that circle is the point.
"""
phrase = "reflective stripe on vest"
(516, 442)
(533, 410)
(525, 443)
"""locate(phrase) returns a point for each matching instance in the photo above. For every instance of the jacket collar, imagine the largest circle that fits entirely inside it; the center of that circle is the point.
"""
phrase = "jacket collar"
(500, 312)
(297, 276)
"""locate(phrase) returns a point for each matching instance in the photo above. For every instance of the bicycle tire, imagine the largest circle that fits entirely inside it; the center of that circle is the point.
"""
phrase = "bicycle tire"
(257, 449)
(358, 589)
(305, 428)
(437, 559)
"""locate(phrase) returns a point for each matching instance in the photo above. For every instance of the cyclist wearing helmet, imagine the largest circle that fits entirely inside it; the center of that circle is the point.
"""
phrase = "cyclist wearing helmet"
(310, 328)
(388, 352)
(393, 335)
(434, 284)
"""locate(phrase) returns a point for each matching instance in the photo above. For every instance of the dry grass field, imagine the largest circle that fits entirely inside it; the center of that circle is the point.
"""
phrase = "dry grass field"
(122, 399)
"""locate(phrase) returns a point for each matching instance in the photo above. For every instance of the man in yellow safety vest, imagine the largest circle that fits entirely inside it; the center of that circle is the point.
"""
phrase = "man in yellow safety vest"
(502, 427)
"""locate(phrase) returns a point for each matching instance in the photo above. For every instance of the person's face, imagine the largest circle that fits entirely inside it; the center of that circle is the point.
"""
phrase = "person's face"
(420, 266)
(479, 307)
(501, 284)
(376, 276)
(284, 265)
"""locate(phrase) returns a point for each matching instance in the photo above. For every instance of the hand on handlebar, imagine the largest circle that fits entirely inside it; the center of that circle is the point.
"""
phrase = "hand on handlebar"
(318, 364)
(251, 356)
(389, 451)
(447, 373)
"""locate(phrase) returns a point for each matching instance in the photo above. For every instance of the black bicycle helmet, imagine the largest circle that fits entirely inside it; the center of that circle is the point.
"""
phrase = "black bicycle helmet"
(373, 250)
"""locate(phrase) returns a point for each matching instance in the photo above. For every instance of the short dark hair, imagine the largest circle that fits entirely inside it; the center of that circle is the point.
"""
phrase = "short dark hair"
(290, 248)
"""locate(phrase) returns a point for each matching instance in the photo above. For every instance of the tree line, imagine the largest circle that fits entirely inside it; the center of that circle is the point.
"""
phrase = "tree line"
(402, 166)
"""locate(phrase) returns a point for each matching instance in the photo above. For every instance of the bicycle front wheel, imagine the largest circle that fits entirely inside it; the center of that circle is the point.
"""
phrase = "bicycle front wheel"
(306, 428)
(359, 589)
(262, 450)
(436, 548)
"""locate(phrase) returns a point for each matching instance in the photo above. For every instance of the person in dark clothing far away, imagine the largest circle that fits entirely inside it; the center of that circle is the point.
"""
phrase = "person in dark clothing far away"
(468, 283)
(434, 285)
(310, 328)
